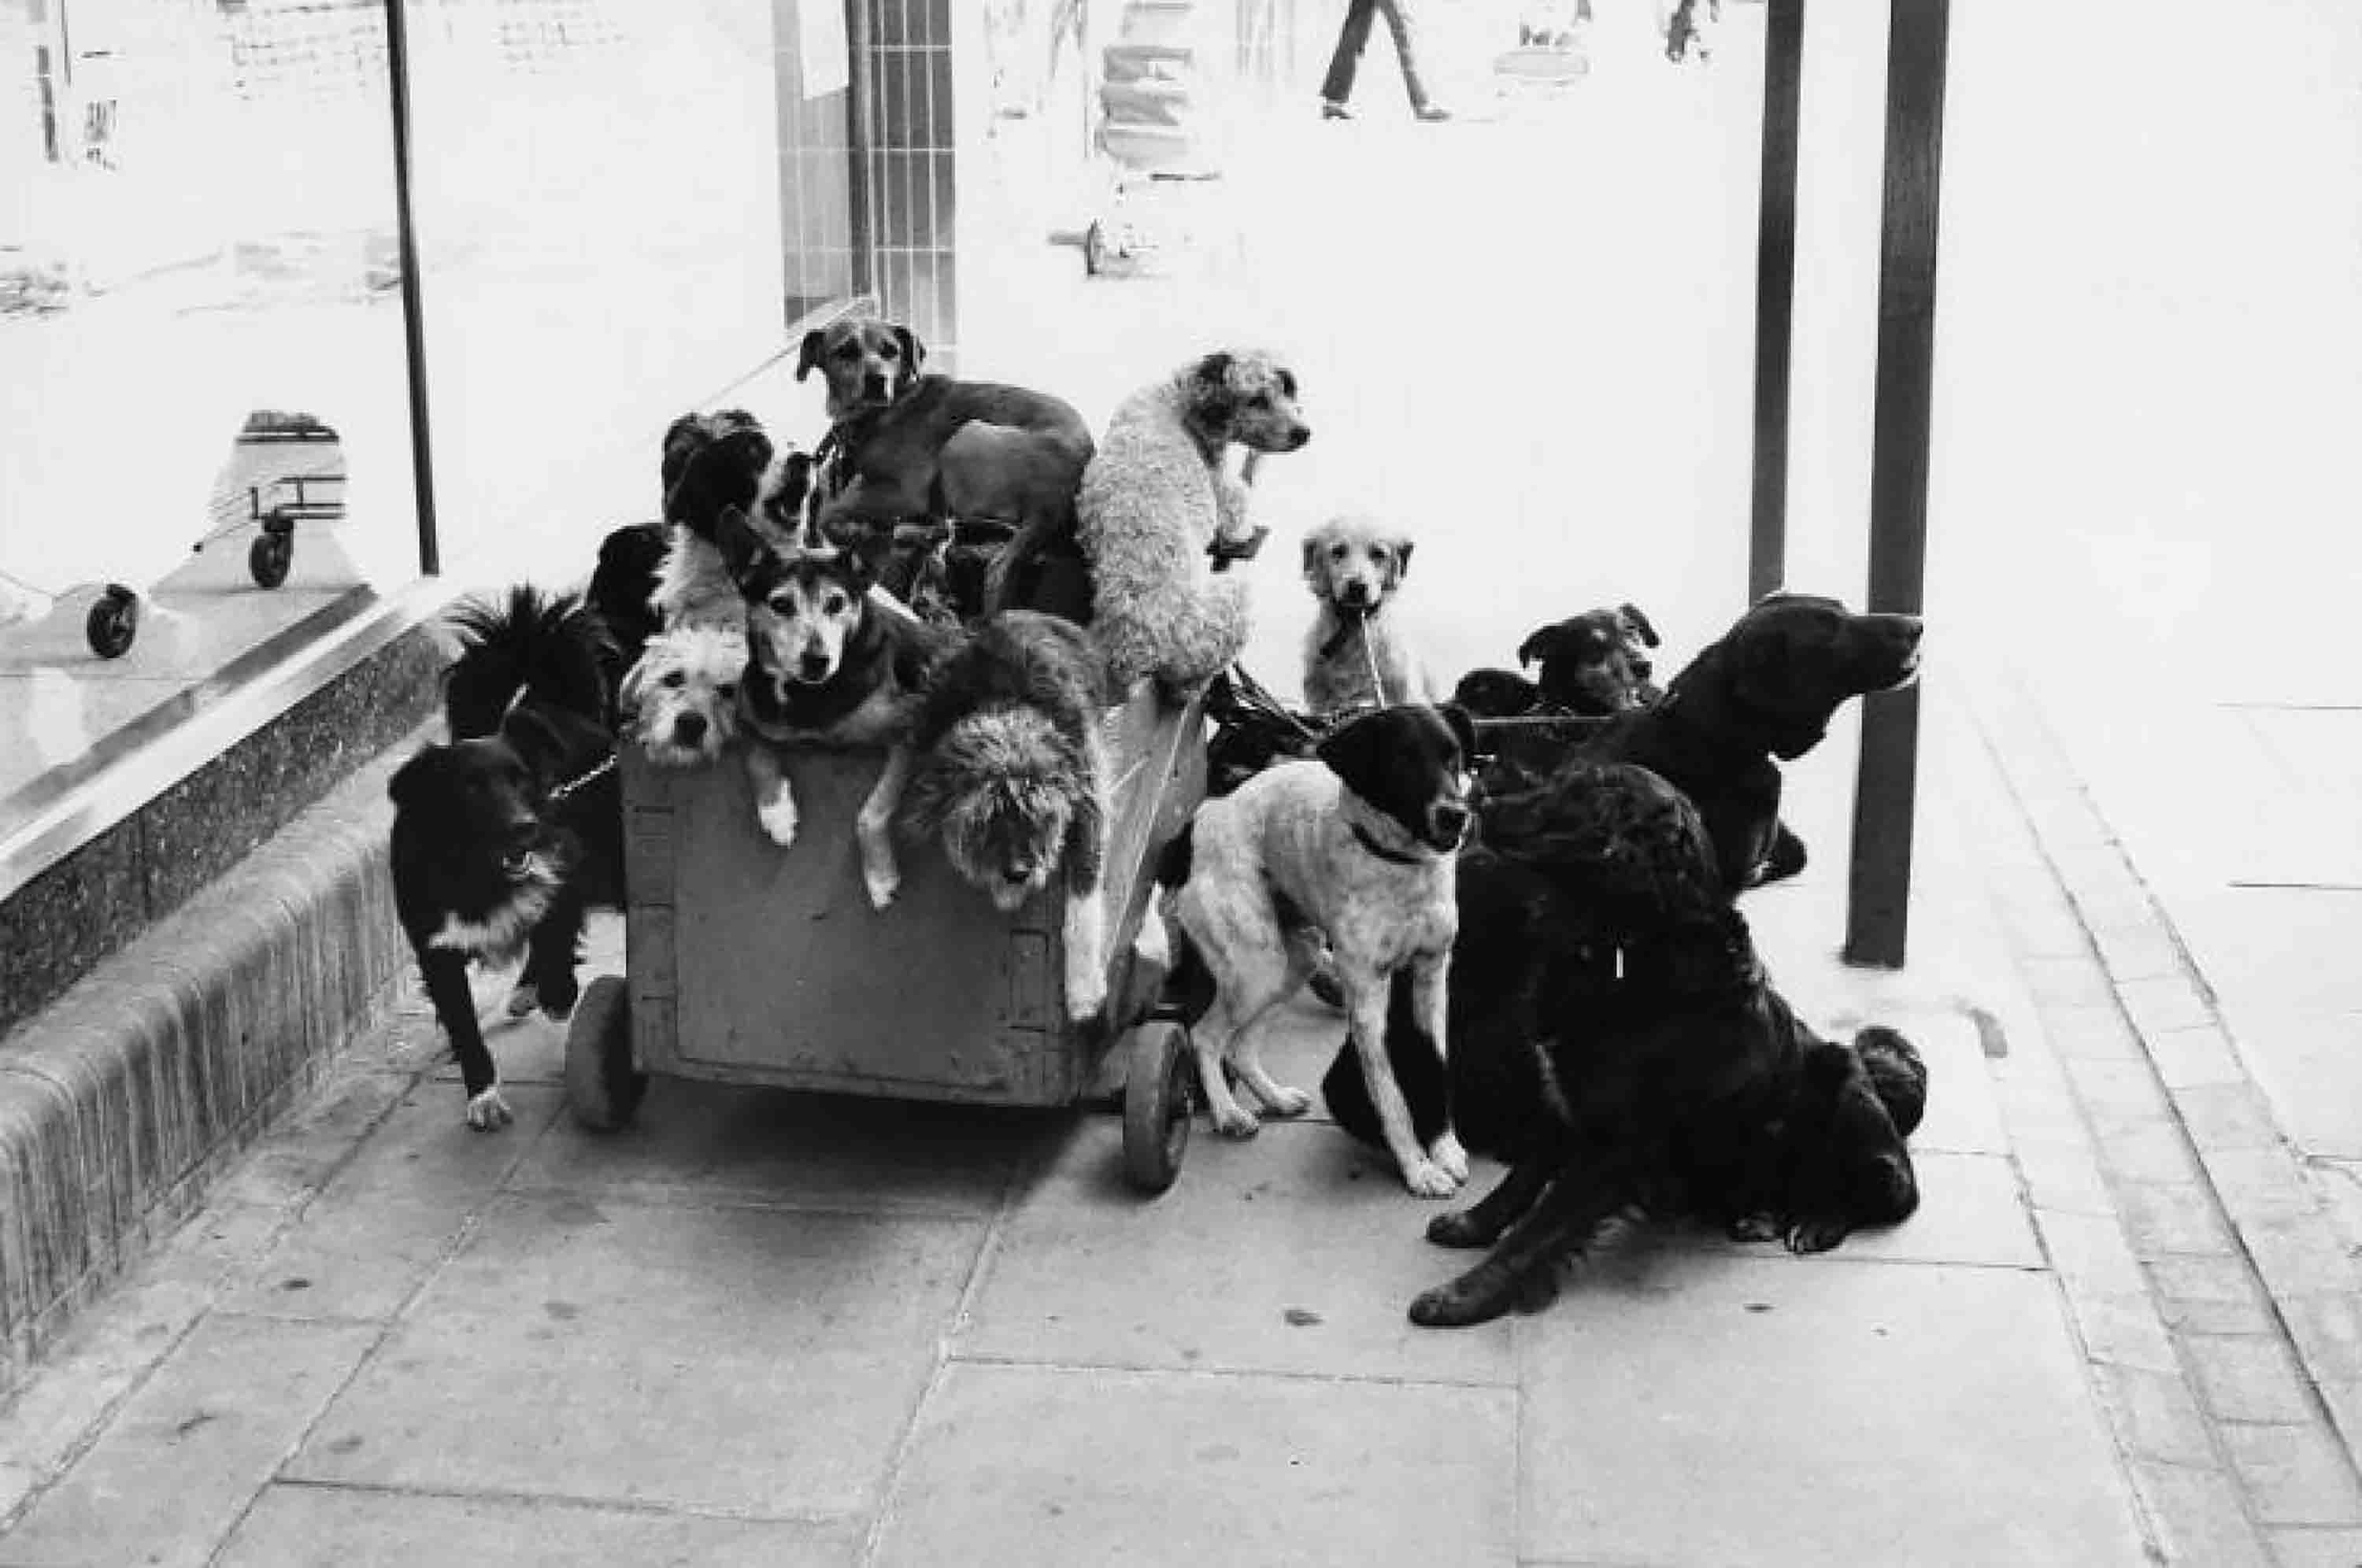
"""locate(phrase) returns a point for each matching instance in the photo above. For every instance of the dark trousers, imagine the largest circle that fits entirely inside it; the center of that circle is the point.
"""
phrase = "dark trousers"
(1354, 36)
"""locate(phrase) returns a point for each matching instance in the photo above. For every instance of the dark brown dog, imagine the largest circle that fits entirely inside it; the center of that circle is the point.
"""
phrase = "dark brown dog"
(903, 446)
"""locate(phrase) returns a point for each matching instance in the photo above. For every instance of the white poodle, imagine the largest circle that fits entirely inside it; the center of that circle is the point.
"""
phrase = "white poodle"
(1155, 499)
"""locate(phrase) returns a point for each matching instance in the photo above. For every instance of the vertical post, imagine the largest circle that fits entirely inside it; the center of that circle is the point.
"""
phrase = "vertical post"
(413, 323)
(1775, 291)
(1886, 782)
(861, 138)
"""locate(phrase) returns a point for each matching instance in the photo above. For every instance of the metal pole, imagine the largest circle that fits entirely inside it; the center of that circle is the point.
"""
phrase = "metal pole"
(1886, 784)
(413, 322)
(1775, 291)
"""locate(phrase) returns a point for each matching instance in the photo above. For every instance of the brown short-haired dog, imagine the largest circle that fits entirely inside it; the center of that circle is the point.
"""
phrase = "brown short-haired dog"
(904, 444)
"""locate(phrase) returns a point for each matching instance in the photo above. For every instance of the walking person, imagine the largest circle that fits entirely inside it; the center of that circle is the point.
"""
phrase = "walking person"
(1354, 36)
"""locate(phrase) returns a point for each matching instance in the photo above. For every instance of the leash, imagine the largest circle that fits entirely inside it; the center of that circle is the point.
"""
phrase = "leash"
(566, 790)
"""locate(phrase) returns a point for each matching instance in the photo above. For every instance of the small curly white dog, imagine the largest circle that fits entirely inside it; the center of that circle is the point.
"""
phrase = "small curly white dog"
(1156, 498)
(681, 698)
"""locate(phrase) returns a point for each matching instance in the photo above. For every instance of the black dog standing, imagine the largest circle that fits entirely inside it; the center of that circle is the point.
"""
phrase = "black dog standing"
(505, 836)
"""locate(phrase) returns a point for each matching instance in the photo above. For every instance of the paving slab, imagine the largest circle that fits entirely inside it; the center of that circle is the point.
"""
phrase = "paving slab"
(1972, 1210)
(1684, 1407)
(352, 1528)
(1057, 1465)
(1294, 1250)
(734, 1360)
(187, 1452)
(739, 1144)
(392, 1215)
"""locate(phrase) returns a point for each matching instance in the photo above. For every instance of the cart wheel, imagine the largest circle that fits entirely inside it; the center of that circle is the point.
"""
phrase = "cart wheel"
(270, 556)
(113, 622)
(1158, 1097)
(602, 1086)
(1095, 249)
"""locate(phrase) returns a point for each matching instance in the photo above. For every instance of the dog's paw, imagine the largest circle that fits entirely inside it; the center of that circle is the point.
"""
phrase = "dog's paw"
(1759, 1226)
(1289, 1102)
(489, 1112)
(1460, 1228)
(1479, 1296)
(1446, 1152)
(1086, 994)
(1428, 1179)
(557, 1001)
(522, 999)
(1816, 1235)
(778, 817)
(882, 885)
(1236, 1121)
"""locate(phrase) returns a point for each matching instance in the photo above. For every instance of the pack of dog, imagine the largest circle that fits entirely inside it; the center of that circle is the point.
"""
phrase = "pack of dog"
(504, 835)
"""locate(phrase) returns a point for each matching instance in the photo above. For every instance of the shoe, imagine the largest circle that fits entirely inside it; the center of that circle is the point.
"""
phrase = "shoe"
(1431, 112)
(1332, 110)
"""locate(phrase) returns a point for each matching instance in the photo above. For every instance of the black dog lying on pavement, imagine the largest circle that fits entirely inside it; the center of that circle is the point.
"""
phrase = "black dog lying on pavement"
(504, 836)
(1613, 1037)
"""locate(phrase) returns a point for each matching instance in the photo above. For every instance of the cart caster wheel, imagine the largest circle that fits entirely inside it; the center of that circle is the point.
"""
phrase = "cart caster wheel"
(602, 1087)
(113, 622)
(269, 557)
(1095, 249)
(1158, 1097)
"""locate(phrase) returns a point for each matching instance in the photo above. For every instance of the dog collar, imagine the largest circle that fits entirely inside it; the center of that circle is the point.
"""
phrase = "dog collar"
(1362, 836)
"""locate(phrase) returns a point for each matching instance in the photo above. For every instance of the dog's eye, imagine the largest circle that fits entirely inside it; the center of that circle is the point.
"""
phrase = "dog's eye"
(1260, 400)
(676, 680)
(1338, 552)
(726, 691)
(834, 605)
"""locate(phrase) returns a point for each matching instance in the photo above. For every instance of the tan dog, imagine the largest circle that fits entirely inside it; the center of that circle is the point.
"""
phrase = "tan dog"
(680, 698)
(1356, 656)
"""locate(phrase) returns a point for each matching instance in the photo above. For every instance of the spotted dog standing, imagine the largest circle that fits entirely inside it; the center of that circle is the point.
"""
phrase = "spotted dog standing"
(1359, 845)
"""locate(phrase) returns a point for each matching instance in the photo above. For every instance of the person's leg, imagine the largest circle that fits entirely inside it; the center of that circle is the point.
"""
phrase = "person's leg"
(1407, 50)
(1351, 38)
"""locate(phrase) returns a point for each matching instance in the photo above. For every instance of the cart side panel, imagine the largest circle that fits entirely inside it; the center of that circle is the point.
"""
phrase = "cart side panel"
(1157, 759)
(649, 948)
(782, 972)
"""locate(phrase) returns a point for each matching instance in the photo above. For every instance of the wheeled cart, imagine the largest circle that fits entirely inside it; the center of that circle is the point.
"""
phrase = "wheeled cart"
(748, 963)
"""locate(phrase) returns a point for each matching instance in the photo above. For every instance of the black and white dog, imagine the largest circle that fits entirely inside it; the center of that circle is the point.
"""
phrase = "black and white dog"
(506, 834)
(1358, 846)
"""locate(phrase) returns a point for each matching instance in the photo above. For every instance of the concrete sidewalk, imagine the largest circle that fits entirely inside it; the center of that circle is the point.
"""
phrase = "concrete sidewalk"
(768, 1328)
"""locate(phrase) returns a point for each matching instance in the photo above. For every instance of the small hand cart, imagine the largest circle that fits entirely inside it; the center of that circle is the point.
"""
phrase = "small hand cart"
(746, 962)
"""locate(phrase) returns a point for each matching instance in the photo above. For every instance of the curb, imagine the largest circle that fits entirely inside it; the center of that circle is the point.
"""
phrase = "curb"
(123, 1100)
(2240, 1253)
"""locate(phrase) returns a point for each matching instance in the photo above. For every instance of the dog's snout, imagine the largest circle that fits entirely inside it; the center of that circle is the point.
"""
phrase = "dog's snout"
(1452, 819)
(874, 384)
(1298, 436)
(813, 664)
(689, 728)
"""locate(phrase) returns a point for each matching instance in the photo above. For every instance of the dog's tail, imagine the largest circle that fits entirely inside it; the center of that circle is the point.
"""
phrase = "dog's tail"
(525, 643)
(1897, 1072)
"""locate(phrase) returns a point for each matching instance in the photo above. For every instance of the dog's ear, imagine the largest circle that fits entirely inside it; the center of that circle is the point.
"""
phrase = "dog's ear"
(1312, 543)
(1638, 622)
(627, 694)
(808, 360)
(914, 354)
(412, 779)
(1542, 642)
(1210, 389)
(1463, 730)
(743, 549)
(1355, 750)
(1401, 566)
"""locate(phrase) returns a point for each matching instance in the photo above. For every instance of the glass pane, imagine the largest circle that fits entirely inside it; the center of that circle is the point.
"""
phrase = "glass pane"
(600, 197)
(203, 391)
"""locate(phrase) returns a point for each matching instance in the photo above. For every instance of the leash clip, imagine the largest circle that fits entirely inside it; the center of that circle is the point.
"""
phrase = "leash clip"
(1620, 961)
